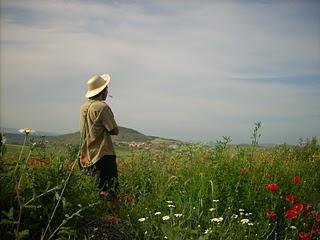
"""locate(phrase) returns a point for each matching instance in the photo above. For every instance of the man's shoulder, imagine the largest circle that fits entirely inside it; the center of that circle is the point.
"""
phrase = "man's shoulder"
(94, 106)
(99, 104)
(84, 107)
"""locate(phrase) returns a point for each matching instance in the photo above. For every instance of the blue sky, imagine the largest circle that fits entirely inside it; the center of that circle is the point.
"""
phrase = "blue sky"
(190, 70)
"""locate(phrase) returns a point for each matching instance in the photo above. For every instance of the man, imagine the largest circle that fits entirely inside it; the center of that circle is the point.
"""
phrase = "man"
(97, 124)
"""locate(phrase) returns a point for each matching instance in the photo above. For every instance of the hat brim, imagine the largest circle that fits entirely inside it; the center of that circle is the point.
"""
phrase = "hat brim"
(96, 91)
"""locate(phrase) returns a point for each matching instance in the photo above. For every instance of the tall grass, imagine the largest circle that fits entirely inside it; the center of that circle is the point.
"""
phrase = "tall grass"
(34, 203)
(200, 192)
(192, 192)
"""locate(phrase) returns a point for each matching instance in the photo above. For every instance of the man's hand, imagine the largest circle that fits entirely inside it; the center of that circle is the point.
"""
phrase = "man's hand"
(114, 131)
(84, 159)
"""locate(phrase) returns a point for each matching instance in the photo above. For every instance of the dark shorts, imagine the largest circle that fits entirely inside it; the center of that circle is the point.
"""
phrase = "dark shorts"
(107, 175)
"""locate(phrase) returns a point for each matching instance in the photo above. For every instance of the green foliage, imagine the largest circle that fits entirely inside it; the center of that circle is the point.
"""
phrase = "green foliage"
(193, 191)
(308, 150)
(30, 188)
(2, 146)
(220, 192)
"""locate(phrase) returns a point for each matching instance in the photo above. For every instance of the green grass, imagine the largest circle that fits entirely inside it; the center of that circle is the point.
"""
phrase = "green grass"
(192, 192)
(193, 178)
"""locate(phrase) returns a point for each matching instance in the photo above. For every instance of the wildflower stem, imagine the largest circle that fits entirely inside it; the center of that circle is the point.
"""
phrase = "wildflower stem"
(18, 196)
(274, 227)
(59, 199)
(40, 195)
(20, 155)
(255, 137)
(212, 190)
(73, 215)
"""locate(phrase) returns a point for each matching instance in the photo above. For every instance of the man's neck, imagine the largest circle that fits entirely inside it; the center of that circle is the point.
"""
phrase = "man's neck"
(98, 99)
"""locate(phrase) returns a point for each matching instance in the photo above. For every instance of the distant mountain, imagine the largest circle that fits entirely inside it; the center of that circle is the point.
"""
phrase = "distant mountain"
(13, 136)
(16, 131)
(18, 138)
(125, 137)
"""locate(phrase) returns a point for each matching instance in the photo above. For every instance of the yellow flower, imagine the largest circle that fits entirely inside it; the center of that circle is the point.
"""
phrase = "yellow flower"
(26, 130)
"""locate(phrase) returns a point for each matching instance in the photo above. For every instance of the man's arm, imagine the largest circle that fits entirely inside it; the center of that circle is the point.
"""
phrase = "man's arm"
(108, 121)
(114, 131)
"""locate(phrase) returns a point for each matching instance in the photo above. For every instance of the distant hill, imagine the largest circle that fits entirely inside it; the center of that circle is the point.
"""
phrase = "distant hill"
(18, 138)
(16, 131)
(14, 138)
(125, 137)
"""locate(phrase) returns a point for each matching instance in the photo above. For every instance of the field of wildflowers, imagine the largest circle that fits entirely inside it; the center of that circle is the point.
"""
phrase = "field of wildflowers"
(194, 191)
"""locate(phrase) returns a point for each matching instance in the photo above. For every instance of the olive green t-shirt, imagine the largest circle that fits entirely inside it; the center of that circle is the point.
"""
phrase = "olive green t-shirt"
(96, 121)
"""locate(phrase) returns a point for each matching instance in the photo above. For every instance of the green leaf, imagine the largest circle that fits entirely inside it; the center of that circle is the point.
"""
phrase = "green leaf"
(170, 233)
(30, 206)
(9, 214)
(56, 196)
(24, 233)
(7, 221)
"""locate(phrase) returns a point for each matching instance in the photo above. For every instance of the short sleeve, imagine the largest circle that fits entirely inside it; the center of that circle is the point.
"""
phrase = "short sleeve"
(108, 118)
(82, 119)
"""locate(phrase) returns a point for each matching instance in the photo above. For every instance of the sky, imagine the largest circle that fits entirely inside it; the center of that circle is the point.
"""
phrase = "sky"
(187, 70)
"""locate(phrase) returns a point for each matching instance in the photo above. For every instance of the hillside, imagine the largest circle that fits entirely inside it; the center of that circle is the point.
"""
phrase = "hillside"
(125, 137)
(18, 138)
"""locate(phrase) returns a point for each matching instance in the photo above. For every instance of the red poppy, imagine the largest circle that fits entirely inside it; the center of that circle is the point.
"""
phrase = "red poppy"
(131, 198)
(103, 194)
(298, 207)
(34, 162)
(315, 229)
(318, 217)
(289, 197)
(271, 214)
(111, 219)
(272, 187)
(296, 180)
(304, 236)
(291, 214)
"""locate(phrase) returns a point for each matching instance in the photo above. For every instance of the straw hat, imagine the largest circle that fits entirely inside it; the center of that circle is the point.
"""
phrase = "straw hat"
(96, 84)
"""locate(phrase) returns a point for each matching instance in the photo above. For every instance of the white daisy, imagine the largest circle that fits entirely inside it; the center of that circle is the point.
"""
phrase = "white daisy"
(234, 216)
(244, 221)
(220, 219)
(165, 218)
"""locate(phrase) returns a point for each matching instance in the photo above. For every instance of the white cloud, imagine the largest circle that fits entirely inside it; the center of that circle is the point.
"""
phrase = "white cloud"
(174, 71)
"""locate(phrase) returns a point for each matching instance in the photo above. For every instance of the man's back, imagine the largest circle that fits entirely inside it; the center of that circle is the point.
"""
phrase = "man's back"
(96, 121)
